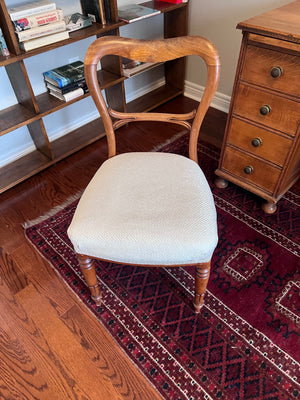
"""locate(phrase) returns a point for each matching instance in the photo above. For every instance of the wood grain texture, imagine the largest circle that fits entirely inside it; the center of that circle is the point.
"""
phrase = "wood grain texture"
(265, 100)
(282, 23)
(39, 315)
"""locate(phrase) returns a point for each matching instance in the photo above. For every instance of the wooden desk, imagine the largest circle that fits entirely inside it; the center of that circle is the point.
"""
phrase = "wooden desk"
(261, 148)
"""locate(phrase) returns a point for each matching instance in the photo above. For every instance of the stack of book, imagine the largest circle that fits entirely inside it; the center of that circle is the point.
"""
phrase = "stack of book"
(66, 82)
(38, 23)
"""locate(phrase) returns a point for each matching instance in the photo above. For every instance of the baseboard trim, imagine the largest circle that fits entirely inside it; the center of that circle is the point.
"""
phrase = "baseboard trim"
(220, 101)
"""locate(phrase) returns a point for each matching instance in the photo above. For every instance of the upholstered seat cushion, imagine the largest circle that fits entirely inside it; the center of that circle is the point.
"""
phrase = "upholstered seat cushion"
(146, 208)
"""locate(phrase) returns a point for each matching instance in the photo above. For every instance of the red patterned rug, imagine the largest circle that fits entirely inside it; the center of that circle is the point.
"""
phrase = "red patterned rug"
(245, 343)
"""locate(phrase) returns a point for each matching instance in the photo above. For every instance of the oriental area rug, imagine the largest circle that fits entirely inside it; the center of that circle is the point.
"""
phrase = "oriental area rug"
(245, 342)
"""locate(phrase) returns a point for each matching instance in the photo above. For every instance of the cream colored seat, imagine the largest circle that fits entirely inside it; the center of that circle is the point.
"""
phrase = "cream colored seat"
(148, 208)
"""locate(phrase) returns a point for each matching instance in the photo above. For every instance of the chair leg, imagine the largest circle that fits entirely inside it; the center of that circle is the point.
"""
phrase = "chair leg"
(87, 266)
(201, 279)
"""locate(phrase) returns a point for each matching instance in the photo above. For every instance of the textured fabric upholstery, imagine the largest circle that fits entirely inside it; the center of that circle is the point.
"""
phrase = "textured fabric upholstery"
(146, 208)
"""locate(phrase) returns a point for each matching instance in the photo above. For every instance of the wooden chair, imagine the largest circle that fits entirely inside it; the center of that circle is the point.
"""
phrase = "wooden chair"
(148, 208)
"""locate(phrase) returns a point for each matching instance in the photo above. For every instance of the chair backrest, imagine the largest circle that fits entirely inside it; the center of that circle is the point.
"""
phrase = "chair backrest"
(160, 50)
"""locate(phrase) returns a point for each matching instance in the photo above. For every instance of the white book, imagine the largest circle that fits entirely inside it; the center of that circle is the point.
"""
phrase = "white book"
(34, 7)
(40, 31)
(44, 40)
(67, 96)
(33, 21)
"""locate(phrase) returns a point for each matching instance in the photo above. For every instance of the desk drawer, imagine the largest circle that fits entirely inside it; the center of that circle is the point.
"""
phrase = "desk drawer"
(261, 174)
(284, 114)
(258, 141)
(260, 64)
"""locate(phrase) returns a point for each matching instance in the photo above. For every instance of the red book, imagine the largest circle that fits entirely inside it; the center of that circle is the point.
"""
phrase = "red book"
(174, 1)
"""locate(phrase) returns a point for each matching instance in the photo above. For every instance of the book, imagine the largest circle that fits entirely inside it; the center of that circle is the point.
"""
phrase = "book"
(94, 9)
(107, 11)
(174, 1)
(40, 31)
(128, 63)
(135, 12)
(33, 21)
(66, 74)
(77, 21)
(3, 46)
(43, 41)
(136, 67)
(67, 96)
(31, 8)
(72, 86)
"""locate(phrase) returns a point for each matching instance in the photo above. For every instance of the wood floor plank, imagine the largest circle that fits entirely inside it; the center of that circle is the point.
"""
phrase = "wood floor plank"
(45, 279)
(14, 277)
(67, 363)
(110, 360)
(26, 372)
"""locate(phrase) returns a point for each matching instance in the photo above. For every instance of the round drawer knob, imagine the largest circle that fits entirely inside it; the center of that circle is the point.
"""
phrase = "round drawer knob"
(256, 142)
(248, 170)
(276, 72)
(265, 109)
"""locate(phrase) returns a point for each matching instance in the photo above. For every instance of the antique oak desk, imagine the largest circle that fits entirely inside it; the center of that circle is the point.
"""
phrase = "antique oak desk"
(261, 148)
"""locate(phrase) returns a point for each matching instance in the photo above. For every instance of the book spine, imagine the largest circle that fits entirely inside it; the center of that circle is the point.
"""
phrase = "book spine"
(3, 46)
(40, 31)
(36, 20)
(74, 94)
(60, 80)
(44, 41)
(68, 96)
(68, 88)
(14, 15)
(107, 11)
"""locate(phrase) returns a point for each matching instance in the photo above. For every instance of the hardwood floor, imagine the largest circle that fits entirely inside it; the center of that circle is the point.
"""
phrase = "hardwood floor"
(51, 347)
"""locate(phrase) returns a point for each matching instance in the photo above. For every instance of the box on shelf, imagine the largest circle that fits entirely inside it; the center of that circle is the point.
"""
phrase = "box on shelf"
(77, 21)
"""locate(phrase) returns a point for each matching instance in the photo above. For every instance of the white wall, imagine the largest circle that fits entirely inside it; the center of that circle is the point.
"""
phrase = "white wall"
(214, 19)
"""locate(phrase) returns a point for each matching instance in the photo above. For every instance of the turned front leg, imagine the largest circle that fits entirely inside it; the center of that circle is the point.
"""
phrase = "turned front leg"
(87, 266)
(201, 279)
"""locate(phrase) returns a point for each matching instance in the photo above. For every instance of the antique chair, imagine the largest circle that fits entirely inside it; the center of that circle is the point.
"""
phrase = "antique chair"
(148, 208)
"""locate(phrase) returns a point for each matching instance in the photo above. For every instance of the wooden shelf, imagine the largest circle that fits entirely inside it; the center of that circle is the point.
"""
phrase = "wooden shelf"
(14, 117)
(33, 108)
(94, 30)
(23, 168)
(34, 162)
(17, 115)
(154, 99)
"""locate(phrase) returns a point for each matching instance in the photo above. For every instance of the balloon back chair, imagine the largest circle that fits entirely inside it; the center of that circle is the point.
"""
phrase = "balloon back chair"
(151, 209)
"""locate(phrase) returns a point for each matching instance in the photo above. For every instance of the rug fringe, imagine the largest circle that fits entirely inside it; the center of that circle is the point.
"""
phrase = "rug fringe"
(53, 211)
(168, 141)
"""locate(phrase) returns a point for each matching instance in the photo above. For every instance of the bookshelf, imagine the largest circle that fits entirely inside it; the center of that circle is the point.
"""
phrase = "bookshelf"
(31, 109)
